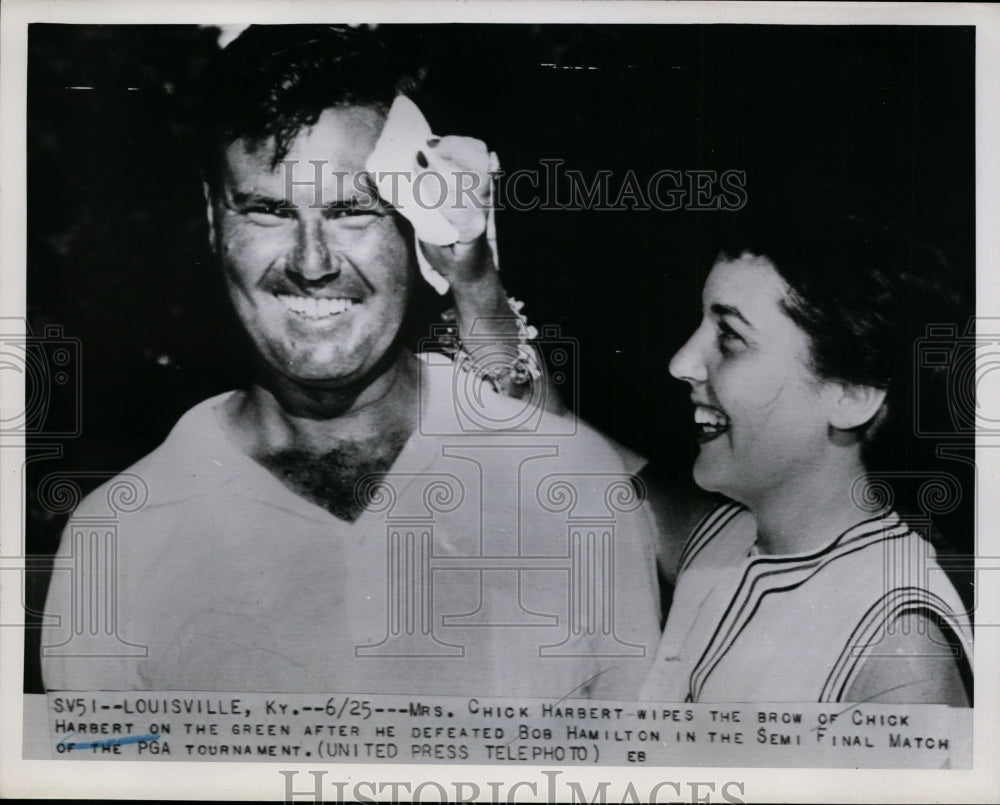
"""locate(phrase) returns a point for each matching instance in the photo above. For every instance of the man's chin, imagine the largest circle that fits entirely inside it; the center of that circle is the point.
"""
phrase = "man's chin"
(325, 366)
(312, 367)
(325, 376)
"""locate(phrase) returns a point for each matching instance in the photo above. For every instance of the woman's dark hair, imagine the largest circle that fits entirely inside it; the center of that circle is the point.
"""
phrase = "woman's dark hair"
(275, 80)
(864, 293)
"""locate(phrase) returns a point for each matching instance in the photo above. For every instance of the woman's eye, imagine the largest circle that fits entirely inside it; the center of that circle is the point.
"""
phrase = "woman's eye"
(729, 339)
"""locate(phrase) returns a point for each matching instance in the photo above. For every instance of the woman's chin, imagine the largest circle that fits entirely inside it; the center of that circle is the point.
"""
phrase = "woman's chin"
(708, 476)
(704, 477)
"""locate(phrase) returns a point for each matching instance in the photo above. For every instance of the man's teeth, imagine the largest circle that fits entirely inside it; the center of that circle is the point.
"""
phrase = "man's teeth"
(315, 308)
(710, 418)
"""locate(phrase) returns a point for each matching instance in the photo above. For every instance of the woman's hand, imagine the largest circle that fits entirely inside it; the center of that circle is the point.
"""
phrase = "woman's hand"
(454, 175)
(464, 194)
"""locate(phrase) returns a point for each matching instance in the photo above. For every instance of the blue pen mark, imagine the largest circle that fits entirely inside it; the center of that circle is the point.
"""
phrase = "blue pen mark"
(62, 746)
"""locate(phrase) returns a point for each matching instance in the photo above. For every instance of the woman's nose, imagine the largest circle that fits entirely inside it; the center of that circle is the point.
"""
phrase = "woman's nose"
(688, 363)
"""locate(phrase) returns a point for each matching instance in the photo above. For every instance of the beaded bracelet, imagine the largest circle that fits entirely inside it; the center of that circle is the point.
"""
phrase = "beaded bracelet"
(522, 369)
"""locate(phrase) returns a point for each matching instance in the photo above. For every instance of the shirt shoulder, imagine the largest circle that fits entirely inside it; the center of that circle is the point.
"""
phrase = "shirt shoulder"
(195, 457)
(723, 537)
(455, 402)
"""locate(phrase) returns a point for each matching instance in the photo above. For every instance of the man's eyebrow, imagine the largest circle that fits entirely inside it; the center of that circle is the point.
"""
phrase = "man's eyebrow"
(361, 202)
(247, 198)
(720, 310)
(346, 203)
(251, 198)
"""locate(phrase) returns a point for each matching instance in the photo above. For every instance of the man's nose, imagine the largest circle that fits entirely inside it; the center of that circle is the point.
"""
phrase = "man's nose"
(688, 363)
(314, 262)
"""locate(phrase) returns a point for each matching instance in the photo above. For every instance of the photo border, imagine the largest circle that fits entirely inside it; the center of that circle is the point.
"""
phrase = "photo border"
(250, 781)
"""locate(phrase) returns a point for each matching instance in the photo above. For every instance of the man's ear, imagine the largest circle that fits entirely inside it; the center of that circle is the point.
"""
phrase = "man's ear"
(854, 405)
(206, 191)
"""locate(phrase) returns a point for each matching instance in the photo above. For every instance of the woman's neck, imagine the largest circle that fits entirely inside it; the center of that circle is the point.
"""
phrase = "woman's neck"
(811, 510)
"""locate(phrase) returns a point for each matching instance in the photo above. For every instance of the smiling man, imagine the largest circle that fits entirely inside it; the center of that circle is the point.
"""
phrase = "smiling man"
(323, 290)
(321, 287)
(335, 526)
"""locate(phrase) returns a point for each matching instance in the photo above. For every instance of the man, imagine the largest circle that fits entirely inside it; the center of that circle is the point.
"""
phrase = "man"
(338, 526)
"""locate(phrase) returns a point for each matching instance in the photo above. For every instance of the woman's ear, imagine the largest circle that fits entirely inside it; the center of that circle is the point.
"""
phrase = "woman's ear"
(854, 405)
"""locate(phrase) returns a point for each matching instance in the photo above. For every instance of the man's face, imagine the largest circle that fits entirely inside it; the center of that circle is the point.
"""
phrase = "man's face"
(321, 288)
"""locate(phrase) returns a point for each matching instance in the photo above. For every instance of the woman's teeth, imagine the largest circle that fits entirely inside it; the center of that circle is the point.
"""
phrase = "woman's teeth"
(710, 422)
(314, 308)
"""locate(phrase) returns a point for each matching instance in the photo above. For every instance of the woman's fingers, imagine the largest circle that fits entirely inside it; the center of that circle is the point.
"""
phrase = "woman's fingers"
(467, 153)
(453, 176)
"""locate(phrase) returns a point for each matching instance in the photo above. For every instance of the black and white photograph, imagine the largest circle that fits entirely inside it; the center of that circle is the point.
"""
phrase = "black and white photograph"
(597, 401)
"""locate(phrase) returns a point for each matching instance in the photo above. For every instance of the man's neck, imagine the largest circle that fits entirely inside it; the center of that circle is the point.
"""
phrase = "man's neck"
(278, 414)
(322, 444)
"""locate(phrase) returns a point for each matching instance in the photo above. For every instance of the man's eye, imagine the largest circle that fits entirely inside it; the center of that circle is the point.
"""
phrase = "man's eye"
(353, 212)
(354, 217)
(358, 213)
(267, 215)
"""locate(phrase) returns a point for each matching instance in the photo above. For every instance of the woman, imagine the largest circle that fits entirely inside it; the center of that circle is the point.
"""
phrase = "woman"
(798, 589)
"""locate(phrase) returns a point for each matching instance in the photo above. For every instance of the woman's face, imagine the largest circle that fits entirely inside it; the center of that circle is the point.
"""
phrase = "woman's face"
(760, 413)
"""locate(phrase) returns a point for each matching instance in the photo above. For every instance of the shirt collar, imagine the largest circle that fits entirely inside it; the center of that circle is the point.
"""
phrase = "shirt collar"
(198, 458)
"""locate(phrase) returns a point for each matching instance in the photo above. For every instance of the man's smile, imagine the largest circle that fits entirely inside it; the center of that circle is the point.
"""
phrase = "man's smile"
(316, 308)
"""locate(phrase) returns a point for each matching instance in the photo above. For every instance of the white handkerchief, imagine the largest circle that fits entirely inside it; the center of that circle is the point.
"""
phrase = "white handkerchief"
(390, 164)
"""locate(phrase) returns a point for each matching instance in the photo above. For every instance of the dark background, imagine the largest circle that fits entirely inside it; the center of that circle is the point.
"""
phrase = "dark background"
(118, 251)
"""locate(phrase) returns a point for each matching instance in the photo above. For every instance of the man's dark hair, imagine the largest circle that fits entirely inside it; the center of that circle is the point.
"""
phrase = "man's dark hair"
(275, 80)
